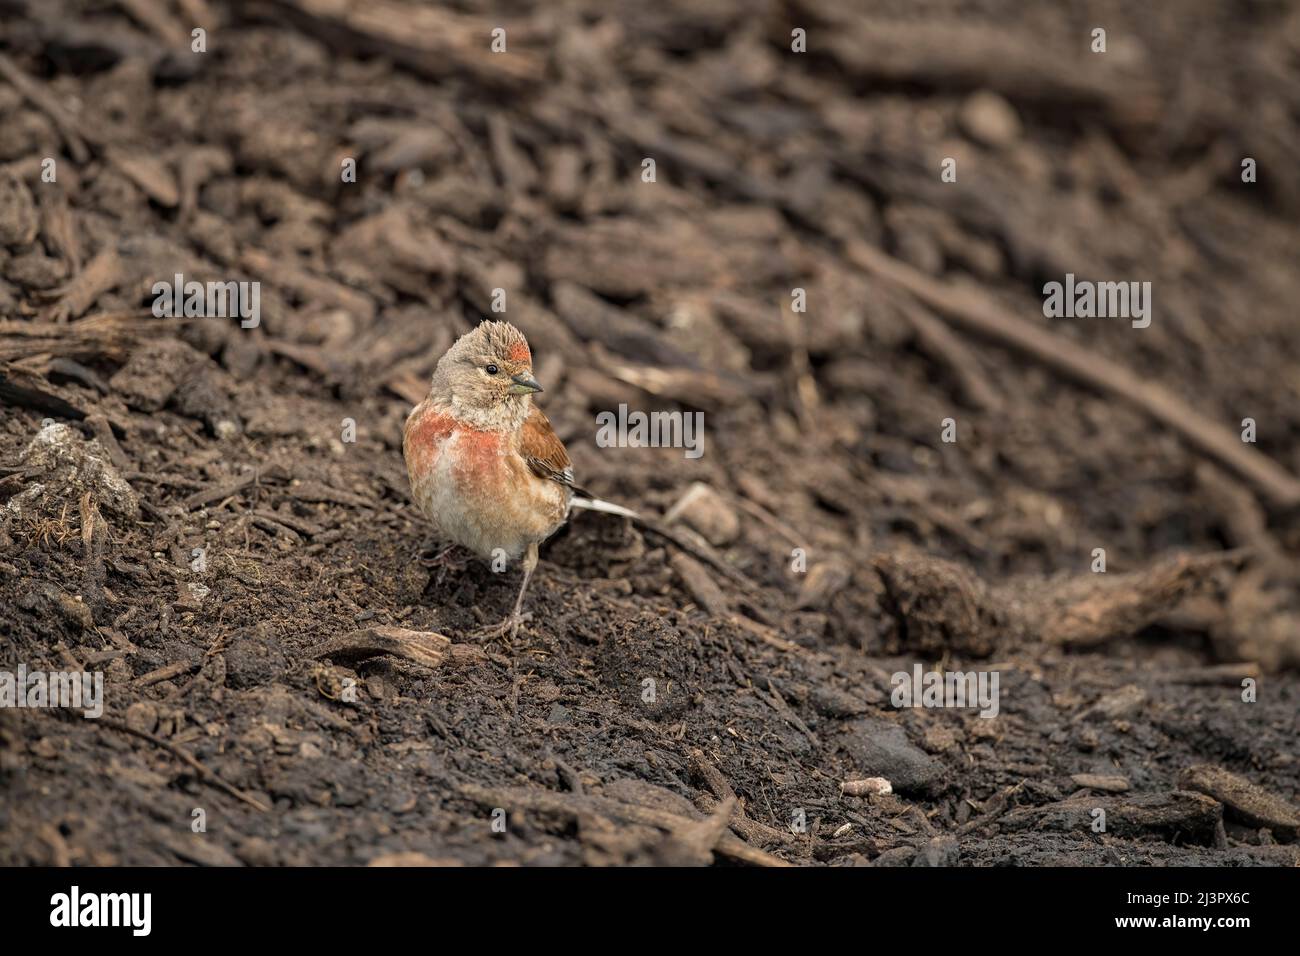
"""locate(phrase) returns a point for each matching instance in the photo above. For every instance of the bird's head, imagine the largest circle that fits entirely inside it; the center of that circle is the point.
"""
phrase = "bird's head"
(487, 376)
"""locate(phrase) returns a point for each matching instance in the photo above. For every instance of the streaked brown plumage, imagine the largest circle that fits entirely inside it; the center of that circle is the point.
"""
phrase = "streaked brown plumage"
(485, 465)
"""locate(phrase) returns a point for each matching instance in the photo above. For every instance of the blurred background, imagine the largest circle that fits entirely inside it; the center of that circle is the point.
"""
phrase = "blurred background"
(382, 172)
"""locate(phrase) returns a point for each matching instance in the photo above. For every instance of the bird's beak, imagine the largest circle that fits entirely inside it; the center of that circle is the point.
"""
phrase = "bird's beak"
(523, 385)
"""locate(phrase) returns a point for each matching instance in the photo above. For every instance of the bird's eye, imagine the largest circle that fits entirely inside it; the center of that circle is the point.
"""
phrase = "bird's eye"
(492, 370)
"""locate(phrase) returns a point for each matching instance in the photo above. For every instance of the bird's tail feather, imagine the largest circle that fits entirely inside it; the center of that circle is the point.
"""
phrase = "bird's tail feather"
(608, 507)
(652, 525)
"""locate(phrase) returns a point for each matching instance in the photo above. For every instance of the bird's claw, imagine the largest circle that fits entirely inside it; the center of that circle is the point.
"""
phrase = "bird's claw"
(507, 628)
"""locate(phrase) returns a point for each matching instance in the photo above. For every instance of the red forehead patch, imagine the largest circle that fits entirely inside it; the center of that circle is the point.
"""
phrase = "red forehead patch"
(519, 352)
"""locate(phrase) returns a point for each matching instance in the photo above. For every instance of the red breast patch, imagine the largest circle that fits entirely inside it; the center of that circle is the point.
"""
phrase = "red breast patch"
(476, 453)
(430, 428)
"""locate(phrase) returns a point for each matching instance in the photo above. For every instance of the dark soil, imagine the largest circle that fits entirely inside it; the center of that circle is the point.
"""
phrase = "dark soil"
(660, 706)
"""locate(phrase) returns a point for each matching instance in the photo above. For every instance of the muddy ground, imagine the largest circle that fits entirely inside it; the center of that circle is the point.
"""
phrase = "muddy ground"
(217, 517)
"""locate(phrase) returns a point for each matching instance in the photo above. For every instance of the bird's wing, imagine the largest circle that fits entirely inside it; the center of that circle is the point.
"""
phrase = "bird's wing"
(542, 449)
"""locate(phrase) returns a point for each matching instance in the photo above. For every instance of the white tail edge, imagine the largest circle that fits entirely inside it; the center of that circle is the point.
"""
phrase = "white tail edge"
(608, 507)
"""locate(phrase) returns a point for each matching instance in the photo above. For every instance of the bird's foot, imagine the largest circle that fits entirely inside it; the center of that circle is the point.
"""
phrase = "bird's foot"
(433, 556)
(507, 628)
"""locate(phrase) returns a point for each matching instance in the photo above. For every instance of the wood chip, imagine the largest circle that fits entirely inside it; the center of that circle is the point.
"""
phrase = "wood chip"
(869, 786)
(1106, 784)
(701, 586)
(425, 648)
(1245, 801)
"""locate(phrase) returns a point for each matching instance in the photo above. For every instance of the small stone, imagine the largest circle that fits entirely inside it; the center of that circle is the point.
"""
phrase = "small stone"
(142, 716)
(938, 739)
(880, 748)
(988, 119)
(1086, 739)
(703, 509)
(71, 466)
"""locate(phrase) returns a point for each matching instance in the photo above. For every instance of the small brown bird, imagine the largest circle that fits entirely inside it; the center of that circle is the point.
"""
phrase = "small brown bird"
(485, 465)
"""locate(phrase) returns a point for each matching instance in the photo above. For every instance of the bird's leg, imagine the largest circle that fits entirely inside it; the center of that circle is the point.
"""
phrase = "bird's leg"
(530, 565)
(511, 624)
(431, 558)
